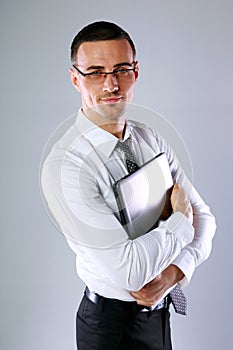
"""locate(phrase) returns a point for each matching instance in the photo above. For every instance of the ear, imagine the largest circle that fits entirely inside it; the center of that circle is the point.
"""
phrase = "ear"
(74, 79)
(136, 70)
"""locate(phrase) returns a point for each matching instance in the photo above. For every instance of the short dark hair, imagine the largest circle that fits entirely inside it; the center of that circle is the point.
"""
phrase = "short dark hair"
(97, 31)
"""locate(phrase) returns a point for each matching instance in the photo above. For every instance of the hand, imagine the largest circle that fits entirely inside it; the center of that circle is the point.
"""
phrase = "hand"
(154, 291)
(181, 203)
(167, 209)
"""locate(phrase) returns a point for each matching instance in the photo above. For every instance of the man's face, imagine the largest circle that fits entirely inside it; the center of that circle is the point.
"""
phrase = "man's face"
(108, 95)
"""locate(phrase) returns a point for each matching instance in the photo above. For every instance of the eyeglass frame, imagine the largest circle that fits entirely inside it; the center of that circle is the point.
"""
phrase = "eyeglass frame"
(104, 73)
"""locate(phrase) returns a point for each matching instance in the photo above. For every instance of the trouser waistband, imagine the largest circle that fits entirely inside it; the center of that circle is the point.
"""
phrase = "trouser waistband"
(97, 299)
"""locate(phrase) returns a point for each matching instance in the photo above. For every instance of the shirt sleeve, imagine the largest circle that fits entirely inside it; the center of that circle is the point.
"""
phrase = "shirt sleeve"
(76, 203)
(200, 248)
(204, 223)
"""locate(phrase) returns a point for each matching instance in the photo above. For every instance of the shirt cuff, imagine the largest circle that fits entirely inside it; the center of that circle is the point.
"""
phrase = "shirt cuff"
(186, 263)
(179, 225)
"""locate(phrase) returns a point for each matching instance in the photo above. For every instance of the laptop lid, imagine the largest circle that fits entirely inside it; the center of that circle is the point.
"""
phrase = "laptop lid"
(141, 196)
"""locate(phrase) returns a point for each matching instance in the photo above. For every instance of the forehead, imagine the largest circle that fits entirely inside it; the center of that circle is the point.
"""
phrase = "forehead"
(104, 53)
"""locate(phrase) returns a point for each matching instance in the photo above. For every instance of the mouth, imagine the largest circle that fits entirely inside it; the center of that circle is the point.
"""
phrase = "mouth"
(111, 100)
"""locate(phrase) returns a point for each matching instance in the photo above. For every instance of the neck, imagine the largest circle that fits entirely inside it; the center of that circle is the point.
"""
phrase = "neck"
(116, 129)
(115, 126)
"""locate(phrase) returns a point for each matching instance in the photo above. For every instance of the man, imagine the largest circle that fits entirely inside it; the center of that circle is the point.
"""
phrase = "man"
(126, 302)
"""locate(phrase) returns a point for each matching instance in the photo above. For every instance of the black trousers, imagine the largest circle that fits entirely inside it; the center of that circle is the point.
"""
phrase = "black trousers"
(112, 325)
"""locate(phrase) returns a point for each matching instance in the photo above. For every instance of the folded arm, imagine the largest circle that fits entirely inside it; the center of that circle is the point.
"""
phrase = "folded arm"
(88, 222)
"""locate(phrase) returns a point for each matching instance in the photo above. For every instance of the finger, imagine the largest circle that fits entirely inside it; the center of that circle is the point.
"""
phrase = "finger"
(141, 300)
(135, 294)
(176, 187)
(145, 302)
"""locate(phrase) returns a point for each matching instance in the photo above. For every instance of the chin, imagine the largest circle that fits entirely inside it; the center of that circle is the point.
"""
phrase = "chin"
(113, 111)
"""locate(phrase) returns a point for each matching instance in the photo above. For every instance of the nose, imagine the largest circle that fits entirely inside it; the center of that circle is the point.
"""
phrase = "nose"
(110, 83)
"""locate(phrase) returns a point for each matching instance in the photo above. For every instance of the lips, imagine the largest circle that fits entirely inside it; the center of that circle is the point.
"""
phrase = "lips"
(111, 99)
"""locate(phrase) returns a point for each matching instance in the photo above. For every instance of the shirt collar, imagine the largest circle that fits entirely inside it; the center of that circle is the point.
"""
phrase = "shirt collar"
(101, 139)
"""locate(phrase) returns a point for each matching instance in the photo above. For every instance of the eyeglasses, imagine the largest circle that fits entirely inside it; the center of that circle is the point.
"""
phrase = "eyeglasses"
(99, 76)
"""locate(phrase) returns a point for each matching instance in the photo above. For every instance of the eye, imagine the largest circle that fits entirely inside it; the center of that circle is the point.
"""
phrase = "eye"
(96, 73)
(122, 70)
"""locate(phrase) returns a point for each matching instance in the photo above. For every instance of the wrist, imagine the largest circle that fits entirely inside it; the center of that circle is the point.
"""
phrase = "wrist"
(174, 274)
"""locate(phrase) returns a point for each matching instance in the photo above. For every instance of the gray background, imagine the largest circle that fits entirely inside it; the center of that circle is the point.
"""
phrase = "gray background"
(185, 53)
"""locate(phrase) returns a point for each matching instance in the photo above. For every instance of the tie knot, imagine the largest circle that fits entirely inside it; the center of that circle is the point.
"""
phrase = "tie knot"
(126, 148)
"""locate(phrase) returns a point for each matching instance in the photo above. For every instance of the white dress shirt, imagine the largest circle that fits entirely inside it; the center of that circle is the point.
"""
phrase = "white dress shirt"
(77, 178)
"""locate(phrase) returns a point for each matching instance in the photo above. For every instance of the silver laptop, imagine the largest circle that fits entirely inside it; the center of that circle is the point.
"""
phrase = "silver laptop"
(141, 196)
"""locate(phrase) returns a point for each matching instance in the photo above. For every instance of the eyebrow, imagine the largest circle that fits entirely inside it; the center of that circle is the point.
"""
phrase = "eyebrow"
(115, 66)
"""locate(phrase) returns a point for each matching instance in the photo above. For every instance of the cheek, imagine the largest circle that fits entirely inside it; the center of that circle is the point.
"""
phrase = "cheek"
(89, 90)
(130, 91)
(89, 96)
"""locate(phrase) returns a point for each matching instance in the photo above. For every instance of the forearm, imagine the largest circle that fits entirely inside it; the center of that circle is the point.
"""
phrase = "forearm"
(199, 249)
(154, 291)
(132, 264)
